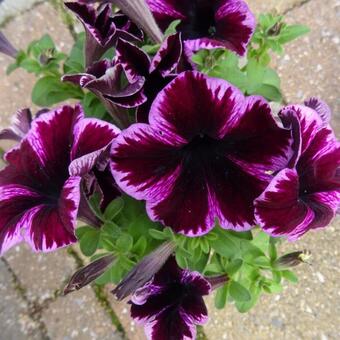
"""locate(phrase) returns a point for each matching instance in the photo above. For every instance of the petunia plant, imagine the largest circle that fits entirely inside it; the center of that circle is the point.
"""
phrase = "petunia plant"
(168, 165)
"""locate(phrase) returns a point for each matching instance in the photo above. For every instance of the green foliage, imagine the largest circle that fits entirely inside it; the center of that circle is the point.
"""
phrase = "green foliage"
(270, 35)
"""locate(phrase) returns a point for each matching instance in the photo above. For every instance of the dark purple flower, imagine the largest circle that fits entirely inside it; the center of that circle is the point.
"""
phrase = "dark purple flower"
(306, 195)
(88, 274)
(40, 186)
(102, 28)
(171, 304)
(207, 23)
(105, 79)
(156, 72)
(6, 47)
(206, 155)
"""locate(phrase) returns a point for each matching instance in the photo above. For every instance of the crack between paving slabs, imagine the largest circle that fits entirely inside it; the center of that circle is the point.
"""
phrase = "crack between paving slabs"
(35, 309)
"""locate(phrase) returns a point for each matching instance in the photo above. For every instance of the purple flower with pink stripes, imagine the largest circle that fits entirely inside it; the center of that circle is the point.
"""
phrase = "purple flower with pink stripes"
(40, 186)
(204, 157)
(207, 23)
(305, 195)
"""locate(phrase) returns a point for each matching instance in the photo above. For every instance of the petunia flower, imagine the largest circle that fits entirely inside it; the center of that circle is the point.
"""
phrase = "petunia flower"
(40, 186)
(171, 304)
(104, 79)
(102, 28)
(207, 24)
(206, 155)
(306, 195)
(157, 72)
(6, 47)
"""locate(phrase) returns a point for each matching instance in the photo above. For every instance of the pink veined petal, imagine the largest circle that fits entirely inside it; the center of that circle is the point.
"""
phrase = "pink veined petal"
(16, 201)
(279, 211)
(168, 56)
(52, 226)
(321, 108)
(91, 138)
(210, 106)
(235, 24)
(139, 176)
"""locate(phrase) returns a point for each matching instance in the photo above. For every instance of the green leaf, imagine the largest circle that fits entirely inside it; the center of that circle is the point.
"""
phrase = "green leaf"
(82, 230)
(140, 246)
(239, 292)
(151, 49)
(157, 234)
(221, 297)
(270, 92)
(234, 266)
(31, 66)
(113, 209)
(181, 259)
(89, 241)
(224, 244)
(244, 307)
(75, 63)
(245, 235)
(50, 90)
(124, 243)
(93, 107)
(290, 276)
(255, 73)
(172, 28)
(292, 32)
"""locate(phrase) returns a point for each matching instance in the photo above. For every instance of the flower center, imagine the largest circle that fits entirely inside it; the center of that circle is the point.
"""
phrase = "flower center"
(200, 21)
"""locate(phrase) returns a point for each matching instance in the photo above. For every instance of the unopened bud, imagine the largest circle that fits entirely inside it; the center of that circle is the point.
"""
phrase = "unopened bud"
(88, 274)
(293, 259)
(144, 271)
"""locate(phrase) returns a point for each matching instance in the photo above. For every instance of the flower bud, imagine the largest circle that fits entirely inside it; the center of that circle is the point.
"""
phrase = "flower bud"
(144, 271)
(293, 259)
(89, 273)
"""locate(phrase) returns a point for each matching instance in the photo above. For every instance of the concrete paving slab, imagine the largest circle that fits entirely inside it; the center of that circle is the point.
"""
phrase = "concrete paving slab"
(15, 322)
(79, 316)
(43, 275)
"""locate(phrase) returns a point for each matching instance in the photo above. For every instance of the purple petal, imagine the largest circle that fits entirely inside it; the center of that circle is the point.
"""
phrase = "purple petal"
(91, 138)
(235, 24)
(21, 124)
(81, 79)
(308, 120)
(186, 116)
(134, 60)
(6, 47)
(279, 211)
(171, 325)
(167, 11)
(324, 206)
(168, 56)
(261, 145)
(160, 168)
(321, 108)
(195, 309)
(16, 201)
(61, 220)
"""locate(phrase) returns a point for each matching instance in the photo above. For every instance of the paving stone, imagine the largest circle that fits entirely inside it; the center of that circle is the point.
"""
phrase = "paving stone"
(15, 90)
(310, 66)
(122, 310)
(15, 323)
(9, 8)
(278, 6)
(79, 316)
(42, 275)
